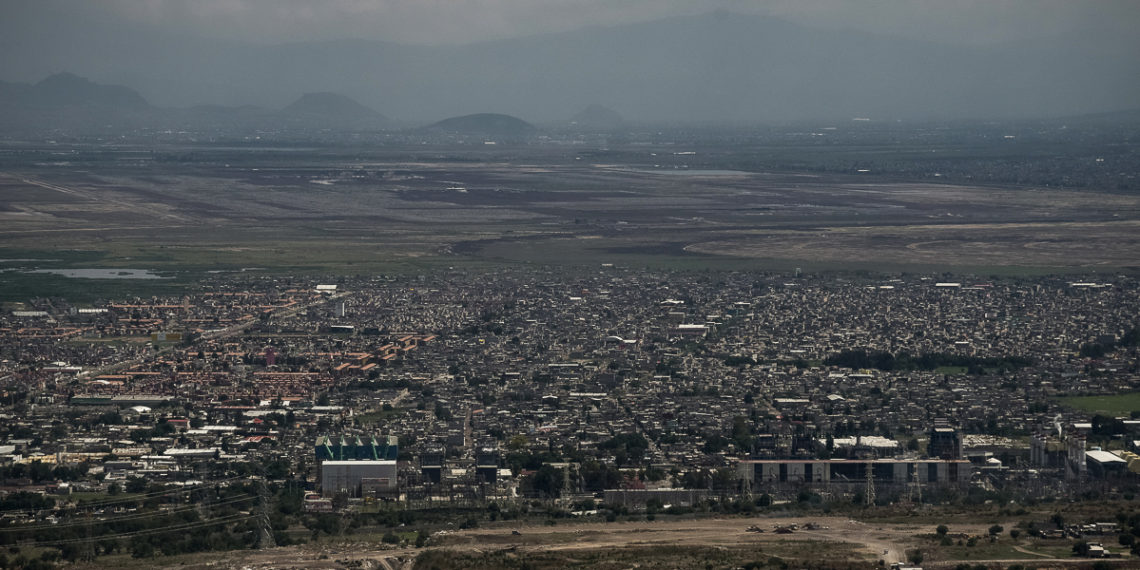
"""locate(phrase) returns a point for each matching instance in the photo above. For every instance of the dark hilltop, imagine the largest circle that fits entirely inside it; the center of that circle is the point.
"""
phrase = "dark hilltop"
(67, 99)
(597, 116)
(334, 107)
(485, 124)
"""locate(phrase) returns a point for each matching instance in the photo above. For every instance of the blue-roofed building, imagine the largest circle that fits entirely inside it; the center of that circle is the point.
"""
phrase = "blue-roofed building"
(353, 448)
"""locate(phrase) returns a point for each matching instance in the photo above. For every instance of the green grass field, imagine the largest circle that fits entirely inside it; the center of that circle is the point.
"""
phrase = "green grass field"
(184, 267)
(380, 416)
(951, 370)
(1116, 405)
(641, 252)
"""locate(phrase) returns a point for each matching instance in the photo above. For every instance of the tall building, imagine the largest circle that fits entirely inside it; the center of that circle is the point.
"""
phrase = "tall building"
(487, 465)
(431, 466)
(945, 443)
(359, 478)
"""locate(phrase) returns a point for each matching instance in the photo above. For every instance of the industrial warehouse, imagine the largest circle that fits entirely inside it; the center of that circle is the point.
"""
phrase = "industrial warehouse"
(764, 473)
(358, 468)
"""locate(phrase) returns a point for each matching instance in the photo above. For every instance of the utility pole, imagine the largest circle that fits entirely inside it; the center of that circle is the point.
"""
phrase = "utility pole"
(88, 553)
(869, 492)
(265, 528)
(914, 493)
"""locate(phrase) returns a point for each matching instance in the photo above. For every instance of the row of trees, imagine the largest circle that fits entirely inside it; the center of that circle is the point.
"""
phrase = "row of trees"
(886, 361)
(39, 471)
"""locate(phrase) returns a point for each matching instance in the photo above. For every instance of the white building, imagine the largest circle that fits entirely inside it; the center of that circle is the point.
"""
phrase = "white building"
(358, 478)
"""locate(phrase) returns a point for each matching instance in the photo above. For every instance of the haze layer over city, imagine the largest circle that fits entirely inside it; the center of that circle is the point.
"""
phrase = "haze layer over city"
(507, 284)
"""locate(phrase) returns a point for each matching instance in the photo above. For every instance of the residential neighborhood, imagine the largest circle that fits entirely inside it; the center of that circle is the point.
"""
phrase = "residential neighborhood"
(525, 384)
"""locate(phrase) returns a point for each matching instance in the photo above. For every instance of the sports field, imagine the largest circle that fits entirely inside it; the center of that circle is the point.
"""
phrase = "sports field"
(1115, 405)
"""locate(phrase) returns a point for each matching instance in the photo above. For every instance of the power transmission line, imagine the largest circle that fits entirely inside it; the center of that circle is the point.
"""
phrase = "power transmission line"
(200, 524)
(156, 514)
(131, 499)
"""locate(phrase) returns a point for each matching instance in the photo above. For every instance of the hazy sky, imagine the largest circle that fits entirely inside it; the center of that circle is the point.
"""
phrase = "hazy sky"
(755, 60)
(463, 21)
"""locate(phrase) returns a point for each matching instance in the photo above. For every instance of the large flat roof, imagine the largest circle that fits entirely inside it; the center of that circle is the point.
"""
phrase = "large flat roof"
(360, 462)
(1104, 456)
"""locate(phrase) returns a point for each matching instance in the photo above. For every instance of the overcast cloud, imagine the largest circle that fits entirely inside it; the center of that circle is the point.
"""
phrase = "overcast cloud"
(464, 21)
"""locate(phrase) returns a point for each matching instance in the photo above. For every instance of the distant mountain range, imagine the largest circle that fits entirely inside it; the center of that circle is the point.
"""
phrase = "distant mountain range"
(67, 101)
(69, 90)
(718, 67)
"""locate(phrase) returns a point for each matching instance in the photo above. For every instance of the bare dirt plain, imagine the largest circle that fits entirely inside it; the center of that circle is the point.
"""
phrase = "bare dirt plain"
(721, 542)
(191, 211)
(344, 212)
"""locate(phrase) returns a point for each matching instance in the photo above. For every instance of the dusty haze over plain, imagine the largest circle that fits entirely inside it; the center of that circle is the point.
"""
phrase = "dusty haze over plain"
(651, 60)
